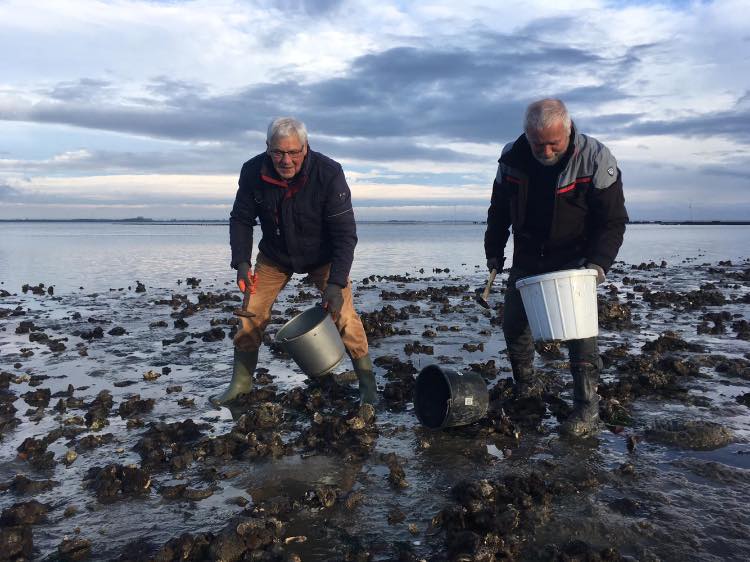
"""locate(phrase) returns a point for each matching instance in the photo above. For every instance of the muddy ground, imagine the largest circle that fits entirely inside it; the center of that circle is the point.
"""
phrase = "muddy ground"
(110, 450)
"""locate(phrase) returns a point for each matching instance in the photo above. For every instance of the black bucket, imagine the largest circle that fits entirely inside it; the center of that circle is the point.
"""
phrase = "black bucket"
(445, 397)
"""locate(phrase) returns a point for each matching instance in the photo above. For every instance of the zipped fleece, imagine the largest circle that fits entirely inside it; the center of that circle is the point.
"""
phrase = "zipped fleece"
(305, 222)
(588, 215)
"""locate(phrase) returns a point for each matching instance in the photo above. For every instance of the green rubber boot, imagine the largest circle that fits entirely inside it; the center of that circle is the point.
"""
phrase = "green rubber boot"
(242, 377)
(584, 419)
(368, 390)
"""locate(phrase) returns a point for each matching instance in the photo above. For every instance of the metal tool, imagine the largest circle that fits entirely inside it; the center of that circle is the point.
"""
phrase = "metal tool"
(249, 290)
(482, 299)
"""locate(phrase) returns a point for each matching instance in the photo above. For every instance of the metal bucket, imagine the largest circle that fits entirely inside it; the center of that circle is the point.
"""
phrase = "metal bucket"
(313, 341)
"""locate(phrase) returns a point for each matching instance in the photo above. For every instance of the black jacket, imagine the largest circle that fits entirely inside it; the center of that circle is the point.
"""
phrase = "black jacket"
(588, 215)
(306, 222)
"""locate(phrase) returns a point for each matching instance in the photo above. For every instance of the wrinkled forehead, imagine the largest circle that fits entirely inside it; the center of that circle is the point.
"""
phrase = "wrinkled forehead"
(288, 142)
(553, 134)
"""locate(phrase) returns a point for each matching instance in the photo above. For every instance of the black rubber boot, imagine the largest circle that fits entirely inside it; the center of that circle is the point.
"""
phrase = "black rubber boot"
(242, 377)
(368, 390)
(526, 384)
(584, 419)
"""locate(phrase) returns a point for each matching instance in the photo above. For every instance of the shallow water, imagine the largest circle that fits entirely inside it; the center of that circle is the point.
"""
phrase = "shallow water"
(102, 256)
(690, 503)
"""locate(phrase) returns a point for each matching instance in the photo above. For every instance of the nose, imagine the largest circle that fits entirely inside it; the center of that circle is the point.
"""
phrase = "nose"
(285, 158)
(548, 152)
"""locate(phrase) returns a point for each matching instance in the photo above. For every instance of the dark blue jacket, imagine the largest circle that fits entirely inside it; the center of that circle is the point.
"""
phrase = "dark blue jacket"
(306, 222)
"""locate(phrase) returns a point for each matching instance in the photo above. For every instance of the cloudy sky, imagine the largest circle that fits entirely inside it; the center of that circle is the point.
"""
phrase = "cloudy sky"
(114, 109)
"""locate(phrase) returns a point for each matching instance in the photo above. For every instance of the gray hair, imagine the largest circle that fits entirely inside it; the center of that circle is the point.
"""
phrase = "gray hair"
(283, 127)
(544, 113)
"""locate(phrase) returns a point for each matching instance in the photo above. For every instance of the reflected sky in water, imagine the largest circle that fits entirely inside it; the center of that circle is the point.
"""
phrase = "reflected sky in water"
(99, 256)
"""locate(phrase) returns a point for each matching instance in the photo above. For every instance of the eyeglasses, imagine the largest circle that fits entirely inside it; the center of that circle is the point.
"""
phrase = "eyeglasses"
(279, 154)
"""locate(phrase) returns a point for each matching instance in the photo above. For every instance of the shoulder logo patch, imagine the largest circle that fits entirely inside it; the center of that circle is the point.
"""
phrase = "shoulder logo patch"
(611, 171)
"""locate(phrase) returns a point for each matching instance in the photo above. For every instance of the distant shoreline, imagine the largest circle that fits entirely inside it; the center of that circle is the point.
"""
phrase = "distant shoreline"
(147, 221)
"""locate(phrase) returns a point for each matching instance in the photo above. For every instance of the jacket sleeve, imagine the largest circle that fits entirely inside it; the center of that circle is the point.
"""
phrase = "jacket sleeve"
(498, 219)
(341, 228)
(608, 217)
(241, 222)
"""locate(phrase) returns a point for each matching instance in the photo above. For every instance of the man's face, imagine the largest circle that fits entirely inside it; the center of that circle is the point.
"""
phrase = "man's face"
(287, 155)
(549, 145)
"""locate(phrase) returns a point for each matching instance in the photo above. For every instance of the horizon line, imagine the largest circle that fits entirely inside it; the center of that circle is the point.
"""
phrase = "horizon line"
(146, 220)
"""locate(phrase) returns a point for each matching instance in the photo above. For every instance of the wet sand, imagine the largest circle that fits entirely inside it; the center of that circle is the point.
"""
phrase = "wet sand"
(110, 450)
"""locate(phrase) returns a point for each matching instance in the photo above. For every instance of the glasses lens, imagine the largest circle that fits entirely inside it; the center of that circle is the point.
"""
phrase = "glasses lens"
(280, 153)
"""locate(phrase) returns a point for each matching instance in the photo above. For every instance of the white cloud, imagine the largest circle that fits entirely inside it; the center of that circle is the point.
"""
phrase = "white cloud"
(124, 98)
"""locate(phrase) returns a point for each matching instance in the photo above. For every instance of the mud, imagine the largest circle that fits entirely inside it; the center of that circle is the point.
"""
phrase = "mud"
(103, 404)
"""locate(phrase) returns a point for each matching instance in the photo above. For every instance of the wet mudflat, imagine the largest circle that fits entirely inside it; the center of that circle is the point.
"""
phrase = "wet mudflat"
(110, 450)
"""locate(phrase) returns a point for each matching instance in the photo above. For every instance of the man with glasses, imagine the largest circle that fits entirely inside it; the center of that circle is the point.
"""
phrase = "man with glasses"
(303, 204)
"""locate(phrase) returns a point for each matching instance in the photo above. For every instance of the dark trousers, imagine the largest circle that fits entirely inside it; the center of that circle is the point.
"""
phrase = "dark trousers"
(518, 334)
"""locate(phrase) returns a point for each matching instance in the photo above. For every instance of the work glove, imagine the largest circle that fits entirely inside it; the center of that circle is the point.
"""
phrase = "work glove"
(243, 276)
(495, 263)
(599, 272)
(333, 299)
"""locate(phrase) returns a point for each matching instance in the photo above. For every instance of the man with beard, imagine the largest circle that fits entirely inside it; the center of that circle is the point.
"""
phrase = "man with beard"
(561, 192)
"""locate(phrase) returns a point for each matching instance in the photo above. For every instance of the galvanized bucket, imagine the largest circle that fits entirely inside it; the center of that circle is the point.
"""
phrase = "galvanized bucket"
(313, 341)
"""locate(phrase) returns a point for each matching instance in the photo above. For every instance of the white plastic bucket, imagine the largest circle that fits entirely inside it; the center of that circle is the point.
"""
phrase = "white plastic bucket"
(561, 305)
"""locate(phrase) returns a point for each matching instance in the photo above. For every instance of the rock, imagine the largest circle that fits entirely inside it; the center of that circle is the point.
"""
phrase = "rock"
(626, 506)
(212, 335)
(396, 516)
(669, 341)
(134, 405)
(38, 397)
(99, 409)
(695, 435)
(70, 457)
(397, 475)
(115, 481)
(20, 484)
(24, 513)
(74, 549)
(16, 543)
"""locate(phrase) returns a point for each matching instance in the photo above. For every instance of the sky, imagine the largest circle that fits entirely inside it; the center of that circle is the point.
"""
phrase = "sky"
(117, 109)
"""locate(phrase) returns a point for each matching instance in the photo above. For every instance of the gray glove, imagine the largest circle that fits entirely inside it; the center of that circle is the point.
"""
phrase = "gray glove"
(333, 299)
(243, 275)
(599, 272)
(495, 263)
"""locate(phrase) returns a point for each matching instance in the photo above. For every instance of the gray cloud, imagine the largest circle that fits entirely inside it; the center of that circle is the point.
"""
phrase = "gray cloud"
(730, 124)
(220, 159)
(742, 171)
(7, 192)
(78, 91)
(309, 7)
(226, 158)
(457, 94)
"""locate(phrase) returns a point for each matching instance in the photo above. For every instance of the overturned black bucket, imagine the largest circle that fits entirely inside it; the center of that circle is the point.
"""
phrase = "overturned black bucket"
(445, 397)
